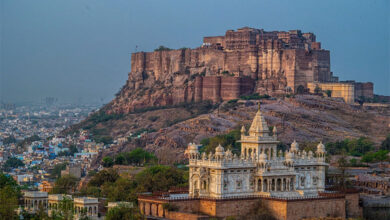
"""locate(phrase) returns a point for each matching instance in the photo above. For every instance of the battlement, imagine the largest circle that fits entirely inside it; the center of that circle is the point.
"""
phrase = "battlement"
(246, 37)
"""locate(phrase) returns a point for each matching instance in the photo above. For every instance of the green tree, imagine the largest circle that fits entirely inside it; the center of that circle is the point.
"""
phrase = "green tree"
(160, 178)
(8, 202)
(9, 194)
(317, 89)
(107, 162)
(139, 156)
(120, 159)
(106, 175)
(56, 171)
(123, 212)
(342, 163)
(64, 210)
(228, 141)
(328, 93)
(12, 162)
(65, 184)
(386, 143)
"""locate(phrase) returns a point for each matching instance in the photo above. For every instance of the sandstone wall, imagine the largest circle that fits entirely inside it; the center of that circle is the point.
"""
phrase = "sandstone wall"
(314, 208)
(272, 60)
(353, 208)
(341, 207)
(364, 89)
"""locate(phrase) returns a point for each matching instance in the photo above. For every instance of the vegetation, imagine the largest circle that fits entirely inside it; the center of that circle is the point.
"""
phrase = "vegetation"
(55, 173)
(378, 156)
(9, 140)
(153, 118)
(123, 213)
(160, 178)
(355, 147)
(64, 185)
(162, 48)
(386, 143)
(107, 183)
(231, 104)
(135, 157)
(328, 93)
(107, 161)
(9, 195)
(255, 96)
(12, 162)
(226, 73)
(64, 211)
(228, 141)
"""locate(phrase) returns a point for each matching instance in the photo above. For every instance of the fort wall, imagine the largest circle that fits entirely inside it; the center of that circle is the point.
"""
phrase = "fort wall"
(271, 62)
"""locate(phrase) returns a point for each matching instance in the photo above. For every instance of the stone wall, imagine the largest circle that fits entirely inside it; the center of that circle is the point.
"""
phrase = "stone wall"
(364, 89)
(274, 61)
(336, 206)
(333, 207)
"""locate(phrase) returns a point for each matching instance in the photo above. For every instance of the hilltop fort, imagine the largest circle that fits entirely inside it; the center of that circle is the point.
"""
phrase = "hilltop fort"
(241, 62)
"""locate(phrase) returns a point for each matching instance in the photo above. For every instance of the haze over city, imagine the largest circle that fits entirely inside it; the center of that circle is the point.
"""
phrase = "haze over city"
(79, 51)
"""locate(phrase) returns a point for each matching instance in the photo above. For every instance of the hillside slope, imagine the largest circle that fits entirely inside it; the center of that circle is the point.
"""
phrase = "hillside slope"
(304, 118)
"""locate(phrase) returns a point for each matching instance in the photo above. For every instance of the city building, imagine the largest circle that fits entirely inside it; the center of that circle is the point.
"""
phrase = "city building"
(35, 200)
(86, 205)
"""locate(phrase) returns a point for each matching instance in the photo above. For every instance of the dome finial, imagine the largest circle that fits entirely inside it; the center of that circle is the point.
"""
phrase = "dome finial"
(258, 106)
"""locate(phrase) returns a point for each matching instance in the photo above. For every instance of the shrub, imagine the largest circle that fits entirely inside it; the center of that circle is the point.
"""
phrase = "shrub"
(153, 118)
(255, 96)
(162, 48)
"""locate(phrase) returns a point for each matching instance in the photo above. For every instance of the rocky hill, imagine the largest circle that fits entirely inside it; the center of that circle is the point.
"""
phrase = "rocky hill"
(173, 97)
(306, 118)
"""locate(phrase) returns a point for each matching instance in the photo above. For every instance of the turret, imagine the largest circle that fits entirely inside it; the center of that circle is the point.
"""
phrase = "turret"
(321, 150)
(294, 147)
(243, 131)
(219, 152)
(192, 151)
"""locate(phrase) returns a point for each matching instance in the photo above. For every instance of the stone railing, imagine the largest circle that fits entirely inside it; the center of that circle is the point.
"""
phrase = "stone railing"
(279, 198)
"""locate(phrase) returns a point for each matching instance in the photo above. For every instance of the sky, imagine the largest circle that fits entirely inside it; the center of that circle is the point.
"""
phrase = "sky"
(79, 50)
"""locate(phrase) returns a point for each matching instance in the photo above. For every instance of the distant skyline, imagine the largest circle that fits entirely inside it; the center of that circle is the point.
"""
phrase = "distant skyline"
(79, 50)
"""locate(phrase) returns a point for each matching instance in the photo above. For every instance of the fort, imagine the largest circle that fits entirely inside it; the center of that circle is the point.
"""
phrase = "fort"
(243, 61)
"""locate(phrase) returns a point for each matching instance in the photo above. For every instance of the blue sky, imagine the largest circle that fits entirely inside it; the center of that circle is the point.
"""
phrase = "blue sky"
(78, 50)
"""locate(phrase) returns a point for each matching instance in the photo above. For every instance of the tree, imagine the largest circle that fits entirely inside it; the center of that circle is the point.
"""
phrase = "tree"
(120, 159)
(139, 156)
(386, 143)
(162, 48)
(9, 194)
(107, 175)
(123, 212)
(56, 171)
(160, 178)
(108, 162)
(300, 89)
(12, 162)
(9, 140)
(64, 210)
(65, 184)
(342, 162)
(317, 89)
(229, 141)
(328, 93)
